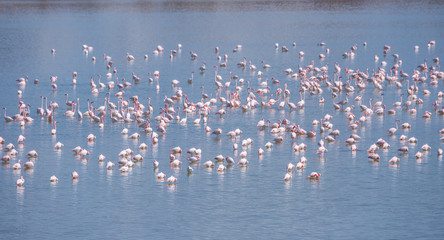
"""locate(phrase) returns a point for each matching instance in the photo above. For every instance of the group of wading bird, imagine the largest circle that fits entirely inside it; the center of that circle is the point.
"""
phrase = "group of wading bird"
(313, 80)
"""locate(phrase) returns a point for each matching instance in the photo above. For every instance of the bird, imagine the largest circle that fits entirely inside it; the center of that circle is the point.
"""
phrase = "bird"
(161, 176)
(418, 155)
(54, 130)
(21, 139)
(32, 153)
(176, 150)
(138, 157)
(20, 181)
(58, 145)
(391, 131)
(91, 137)
(426, 147)
(404, 149)
(260, 152)
(129, 57)
(124, 168)
(109, 165)
(374, 156)
(290, 167)
(217, 132)
(219, 158)
(155, 164)
(77, 149)
(300, 165)
(208, 164)
(101, 157)
(53, 178)
(17, 165)
(221, 168)
(28, 164)
(242, 162)
(288, 177)
(394, 160)
(314, 176)
(135, 136)
(176, 163)
(171, 179)
(229, 160)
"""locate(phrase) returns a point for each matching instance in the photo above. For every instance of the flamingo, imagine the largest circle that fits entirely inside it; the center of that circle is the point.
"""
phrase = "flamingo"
(418, 155)
(21, 139)
(208, 164)
(404, 149)
(155, 164)
(20, 181)
(290, 167)
(217, 132)
(161, 176)
(68, 103)
(405, 125)
(138, 157)
(54, 130)
(32, 154)
(300, 165)
(109, 165)
(7, 118)
(91, 137)
(70, 113)
(124, 168)
(83, 153)
(40, 110)
(287, 177)
(135, 136)
(314, 176)
(219, 158)
(79, 114)
(394, 160)
(426, 147)
(129, 57)
(101, 157)
(221, 168)
(176, 150)
(53, 178)
(242, 162)
(171, 179)
(301, 103)
(28, 164)
(17, 165)
(6, 158)
(143, 146)
(229, 160)
(391, 131)
(77, 149)
(58, 145)
(265, 66)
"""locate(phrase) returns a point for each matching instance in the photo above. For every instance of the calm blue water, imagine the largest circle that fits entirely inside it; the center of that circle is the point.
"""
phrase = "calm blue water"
(354, 198)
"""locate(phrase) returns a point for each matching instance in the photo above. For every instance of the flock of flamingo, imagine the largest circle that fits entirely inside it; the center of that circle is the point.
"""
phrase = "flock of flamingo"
(311, 81)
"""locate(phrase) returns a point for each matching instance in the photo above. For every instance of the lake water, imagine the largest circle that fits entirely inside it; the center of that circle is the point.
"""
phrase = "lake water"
(354, 198)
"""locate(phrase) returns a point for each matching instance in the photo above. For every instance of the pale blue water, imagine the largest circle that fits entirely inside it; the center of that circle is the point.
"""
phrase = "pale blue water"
(354, 199)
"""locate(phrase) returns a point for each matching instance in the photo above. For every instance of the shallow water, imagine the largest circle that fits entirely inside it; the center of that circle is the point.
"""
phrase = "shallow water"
(354, 198)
